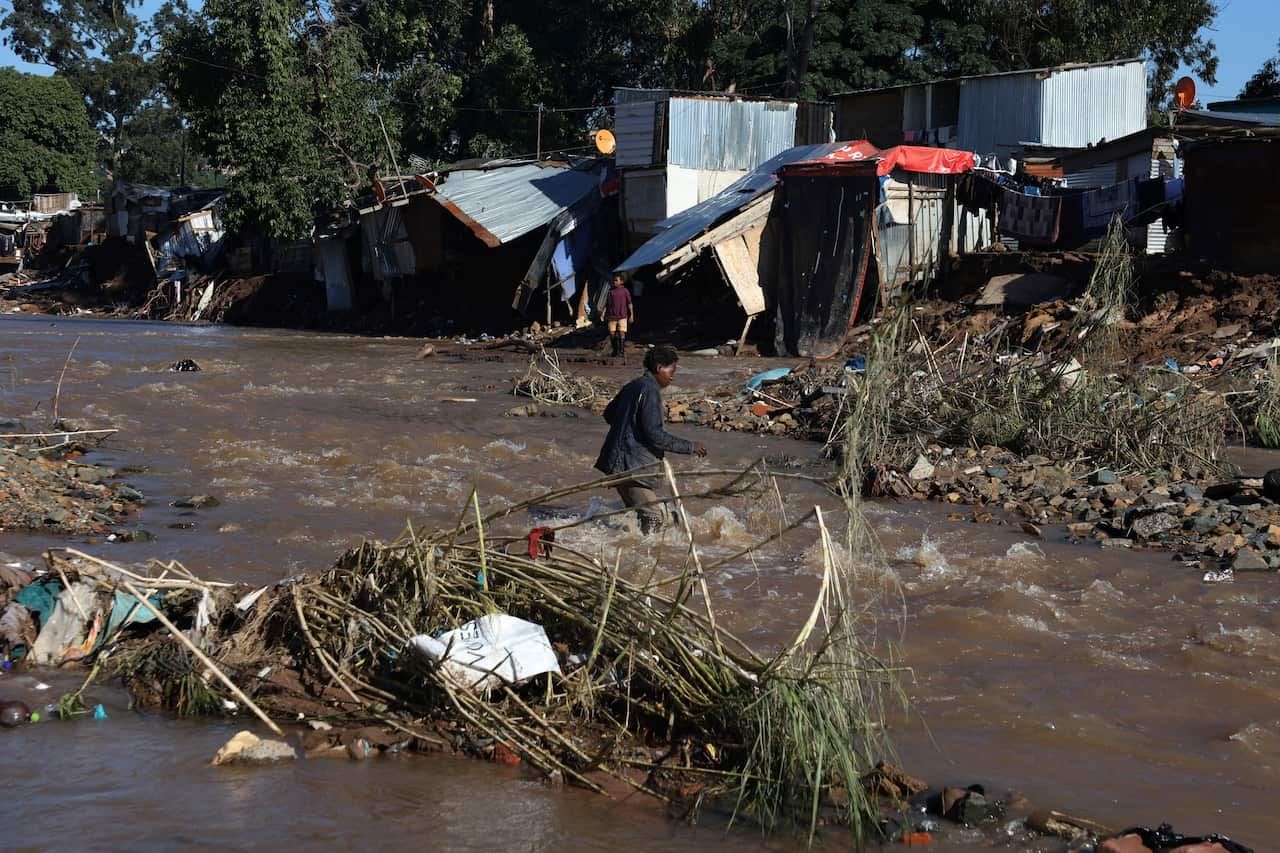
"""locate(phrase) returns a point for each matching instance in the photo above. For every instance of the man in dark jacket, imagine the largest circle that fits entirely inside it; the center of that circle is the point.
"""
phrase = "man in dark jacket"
(637, 438)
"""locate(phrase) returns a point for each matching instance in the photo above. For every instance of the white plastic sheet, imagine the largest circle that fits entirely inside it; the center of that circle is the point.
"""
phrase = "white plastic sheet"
(489, 650)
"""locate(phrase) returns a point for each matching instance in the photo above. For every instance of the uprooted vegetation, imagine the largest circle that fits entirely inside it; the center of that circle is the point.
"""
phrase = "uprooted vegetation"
(1068, 407)
(778, 739)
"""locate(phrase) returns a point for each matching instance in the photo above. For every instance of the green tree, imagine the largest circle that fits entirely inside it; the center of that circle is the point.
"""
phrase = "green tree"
(101, 48)
(46, 141)
(1265, 83)
(1026, 34)
(285, 98)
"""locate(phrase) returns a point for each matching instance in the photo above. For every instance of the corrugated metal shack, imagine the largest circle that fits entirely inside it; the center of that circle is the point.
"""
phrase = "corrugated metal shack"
(1069, 106)
(466, 236)
(678, 149)
(845, 220)
(1232, 202)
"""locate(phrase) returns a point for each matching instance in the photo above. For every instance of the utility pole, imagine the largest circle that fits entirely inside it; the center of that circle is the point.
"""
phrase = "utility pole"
(538, 156)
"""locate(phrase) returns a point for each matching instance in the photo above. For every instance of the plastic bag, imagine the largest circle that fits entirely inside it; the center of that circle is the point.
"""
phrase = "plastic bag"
(490, 650)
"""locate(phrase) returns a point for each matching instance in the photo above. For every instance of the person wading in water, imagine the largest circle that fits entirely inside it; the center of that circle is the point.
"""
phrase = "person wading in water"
(620, 311)
(637, 438)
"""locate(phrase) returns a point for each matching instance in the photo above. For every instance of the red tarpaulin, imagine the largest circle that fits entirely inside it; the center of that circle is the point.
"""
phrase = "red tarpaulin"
(861, 154)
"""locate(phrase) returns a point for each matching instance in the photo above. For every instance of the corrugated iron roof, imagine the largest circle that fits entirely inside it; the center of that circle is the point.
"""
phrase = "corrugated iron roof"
(1218, 117)
(502, 204)
(688, 224)
(1046, 70)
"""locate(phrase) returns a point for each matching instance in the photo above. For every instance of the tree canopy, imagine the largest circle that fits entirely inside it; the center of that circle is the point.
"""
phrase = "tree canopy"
(303, 104)
(46, 141)
(1265, 83)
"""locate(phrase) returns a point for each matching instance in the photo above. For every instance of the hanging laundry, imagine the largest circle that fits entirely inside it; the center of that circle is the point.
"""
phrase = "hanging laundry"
(1031, 219)
(1102, 205)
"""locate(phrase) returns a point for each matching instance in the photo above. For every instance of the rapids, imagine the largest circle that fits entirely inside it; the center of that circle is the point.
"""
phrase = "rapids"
(1109, 684)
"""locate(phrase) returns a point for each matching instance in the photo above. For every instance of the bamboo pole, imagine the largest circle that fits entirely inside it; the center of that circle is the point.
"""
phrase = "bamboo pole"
(693, 553)
(65, 434)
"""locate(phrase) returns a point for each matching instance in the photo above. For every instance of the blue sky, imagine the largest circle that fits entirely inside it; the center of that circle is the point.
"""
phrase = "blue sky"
(1246, 33)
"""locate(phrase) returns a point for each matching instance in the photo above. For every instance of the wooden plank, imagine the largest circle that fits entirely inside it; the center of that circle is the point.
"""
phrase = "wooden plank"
(739, 260)
(749, 217)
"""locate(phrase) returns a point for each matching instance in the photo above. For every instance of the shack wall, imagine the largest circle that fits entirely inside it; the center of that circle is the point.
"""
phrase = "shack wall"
(998, 113)
(1082, 106)
(721, 135)
(644, 201)
(1232, 202)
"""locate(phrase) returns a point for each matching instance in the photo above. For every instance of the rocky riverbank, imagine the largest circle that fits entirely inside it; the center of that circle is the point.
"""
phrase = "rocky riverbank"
(51, 488)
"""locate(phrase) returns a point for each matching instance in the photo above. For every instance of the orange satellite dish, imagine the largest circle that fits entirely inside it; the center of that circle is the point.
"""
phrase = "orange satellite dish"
(1184, 92)
(605, 143)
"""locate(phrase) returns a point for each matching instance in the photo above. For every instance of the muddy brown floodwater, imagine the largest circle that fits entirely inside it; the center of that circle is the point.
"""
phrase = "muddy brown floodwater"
(1113, 685)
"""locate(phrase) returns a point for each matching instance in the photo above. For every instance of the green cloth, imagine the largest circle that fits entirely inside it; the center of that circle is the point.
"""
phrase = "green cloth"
(129, 610)
(40, 598)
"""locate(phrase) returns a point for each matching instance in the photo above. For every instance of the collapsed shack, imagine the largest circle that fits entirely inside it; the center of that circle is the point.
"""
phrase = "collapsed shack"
(799, 237)
(448, 248)
(640, 663)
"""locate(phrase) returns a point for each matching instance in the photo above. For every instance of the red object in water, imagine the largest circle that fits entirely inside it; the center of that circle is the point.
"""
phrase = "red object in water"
(540, 539)
(917, 839)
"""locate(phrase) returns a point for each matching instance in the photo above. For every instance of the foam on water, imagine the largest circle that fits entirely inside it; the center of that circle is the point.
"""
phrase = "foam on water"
(513, 448)
(929, 557)
(1024, 551)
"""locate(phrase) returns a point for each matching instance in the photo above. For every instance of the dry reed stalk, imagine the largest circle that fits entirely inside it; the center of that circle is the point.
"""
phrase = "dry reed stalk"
(57, 394)
(650, 660)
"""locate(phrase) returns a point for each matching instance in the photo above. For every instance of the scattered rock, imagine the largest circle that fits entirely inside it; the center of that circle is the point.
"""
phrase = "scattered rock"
(1151, 526)
(1248, 560)
(196, 502)
(1104, 477)
(427, 351)
(248, 748)
(1271, 485)
(527, 411)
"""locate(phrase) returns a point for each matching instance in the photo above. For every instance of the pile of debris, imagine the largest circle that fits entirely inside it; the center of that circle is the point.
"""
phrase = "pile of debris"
(45, 486)
(523, 650)
(1220, 526)
(518, 648)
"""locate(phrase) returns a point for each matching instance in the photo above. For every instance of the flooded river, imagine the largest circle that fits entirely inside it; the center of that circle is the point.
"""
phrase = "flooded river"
(1113, 685)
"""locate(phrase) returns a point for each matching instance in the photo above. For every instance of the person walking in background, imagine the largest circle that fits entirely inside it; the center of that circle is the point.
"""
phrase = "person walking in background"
(620, 313)
(637, 438)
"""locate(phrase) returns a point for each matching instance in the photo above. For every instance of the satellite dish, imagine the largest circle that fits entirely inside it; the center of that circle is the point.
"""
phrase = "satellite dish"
(1184, 92)
(605, 143)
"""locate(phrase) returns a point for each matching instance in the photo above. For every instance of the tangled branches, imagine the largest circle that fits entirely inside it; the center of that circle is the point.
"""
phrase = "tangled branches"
(546, 382)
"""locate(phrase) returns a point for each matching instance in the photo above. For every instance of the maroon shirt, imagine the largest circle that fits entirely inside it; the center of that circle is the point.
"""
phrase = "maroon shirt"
(618, 306)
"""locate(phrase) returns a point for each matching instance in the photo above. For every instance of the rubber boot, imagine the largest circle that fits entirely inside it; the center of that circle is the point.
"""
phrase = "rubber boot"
(622, 346)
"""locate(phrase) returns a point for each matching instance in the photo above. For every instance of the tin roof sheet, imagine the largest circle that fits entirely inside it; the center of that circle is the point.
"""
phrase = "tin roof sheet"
(688, 224)
(502, 204)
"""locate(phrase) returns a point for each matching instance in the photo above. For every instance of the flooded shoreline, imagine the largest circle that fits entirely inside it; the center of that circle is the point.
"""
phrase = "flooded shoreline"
(1114, 686)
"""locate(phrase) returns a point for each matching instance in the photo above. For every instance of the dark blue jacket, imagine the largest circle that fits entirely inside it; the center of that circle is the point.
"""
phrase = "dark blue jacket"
(636, 437)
